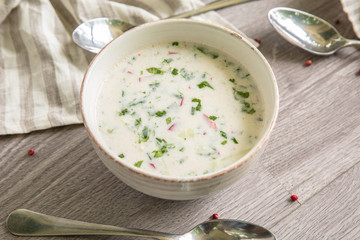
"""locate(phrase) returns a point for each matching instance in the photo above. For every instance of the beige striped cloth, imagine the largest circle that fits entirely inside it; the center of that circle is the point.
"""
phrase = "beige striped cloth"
(352, 8)
(41, 69)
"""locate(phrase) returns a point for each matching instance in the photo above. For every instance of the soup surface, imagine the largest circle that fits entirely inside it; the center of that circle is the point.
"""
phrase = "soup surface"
(179, 109)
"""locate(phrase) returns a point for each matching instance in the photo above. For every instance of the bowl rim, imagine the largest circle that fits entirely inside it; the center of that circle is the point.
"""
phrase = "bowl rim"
(211, 175)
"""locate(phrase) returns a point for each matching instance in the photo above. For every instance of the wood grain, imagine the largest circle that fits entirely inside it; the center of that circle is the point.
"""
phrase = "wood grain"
(313, 152)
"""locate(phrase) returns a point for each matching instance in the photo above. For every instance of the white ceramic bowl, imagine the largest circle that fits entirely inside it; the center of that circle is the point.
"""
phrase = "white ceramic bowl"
(230, 43)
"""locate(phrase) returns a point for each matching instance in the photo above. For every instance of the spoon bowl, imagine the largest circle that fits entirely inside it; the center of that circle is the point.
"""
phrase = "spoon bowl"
(22, 222)
(94, 34)
(308, 31)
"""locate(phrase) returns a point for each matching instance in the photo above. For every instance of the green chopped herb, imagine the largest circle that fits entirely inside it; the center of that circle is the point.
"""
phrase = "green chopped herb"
(247, 108)
(154, 85)
(123, 112)
(246, 104)
(259, 119)
(168, 120)
(198, 106)
(223, 142)
(213, 117)
(167, 60)
(110, 130)
(145, 135)
(205, 84)
(185, 74)
(121, 155)
(174, 72)
(178, 96)
(141, 72)
(232, 80)
(207, 52)
(193, 110)
(223, 134)
(175, 43)
(163, 147)
(241, 94)
(160, 113)
(138, 164)
(181, 149)
(122, 93)
(137, 122)
(134, 102)
(160, 140)
(157, 153)
(155, 70)
(234, 140)
(249, 111)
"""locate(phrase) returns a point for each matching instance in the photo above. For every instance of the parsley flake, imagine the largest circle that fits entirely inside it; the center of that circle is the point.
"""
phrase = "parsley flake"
(205, 84)
(223, 134)
(144, 135)
(224, 142)
(198, 106)
(207, 52)
(213, 117)
(168, 120)
(160, 113)
(174, 72)
(137, 122)
(123, 112)
(138, 164)
(155, 70)
(167, 60)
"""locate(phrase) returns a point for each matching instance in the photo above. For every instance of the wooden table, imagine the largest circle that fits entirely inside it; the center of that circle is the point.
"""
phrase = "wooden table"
(314, 152)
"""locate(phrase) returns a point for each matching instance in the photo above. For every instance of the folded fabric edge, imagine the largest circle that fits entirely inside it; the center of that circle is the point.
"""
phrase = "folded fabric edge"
(353, 13)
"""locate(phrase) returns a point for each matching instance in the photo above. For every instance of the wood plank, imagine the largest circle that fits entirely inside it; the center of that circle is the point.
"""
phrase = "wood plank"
(322, 145)
(68, 180)
(324, 215)
(313, 152)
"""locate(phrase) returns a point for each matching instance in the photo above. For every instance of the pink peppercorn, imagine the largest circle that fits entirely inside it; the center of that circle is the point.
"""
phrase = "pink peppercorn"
(294, 197)
(308, 62)
(215, 216)
(31, 151)
(257, 40)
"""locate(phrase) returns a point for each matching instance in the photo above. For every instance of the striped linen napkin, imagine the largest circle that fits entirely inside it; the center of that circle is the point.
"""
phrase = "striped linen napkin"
(41, 69)
(352, 8)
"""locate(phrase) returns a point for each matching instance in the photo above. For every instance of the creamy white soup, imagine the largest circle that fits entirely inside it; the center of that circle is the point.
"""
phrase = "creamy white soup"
(179, 109)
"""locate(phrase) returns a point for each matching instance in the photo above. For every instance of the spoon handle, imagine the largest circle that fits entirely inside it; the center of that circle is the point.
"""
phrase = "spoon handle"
(352, 42)
(209, 7)
(24, 222)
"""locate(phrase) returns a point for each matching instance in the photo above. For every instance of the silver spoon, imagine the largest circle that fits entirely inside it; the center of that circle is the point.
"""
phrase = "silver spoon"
(94, 34)
(307, 31)
(24, 222)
